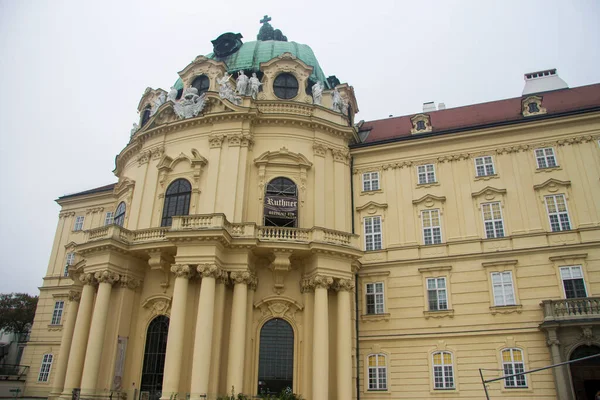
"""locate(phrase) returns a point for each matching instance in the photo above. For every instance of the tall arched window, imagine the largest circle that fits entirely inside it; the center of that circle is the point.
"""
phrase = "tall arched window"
(201, 83)
(177, 200)
(119, 217)
(154, 357)
(276, 357)
(281, 203)
(146, 115)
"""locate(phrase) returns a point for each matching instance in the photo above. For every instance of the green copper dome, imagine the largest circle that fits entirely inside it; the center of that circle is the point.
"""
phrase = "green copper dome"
(251, 54)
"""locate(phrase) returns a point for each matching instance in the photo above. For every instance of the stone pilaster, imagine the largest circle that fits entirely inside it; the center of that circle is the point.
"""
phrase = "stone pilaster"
(561, 378)
(344, 288)
(320, 370)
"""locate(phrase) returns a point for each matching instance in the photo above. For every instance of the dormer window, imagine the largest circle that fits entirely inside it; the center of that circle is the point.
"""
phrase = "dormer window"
(420, 124)
(532, 105)
(201, 83)
(146, 114)
(285, 86)
(533, 108)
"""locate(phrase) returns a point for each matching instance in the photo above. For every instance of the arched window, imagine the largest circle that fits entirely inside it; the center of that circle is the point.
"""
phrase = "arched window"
(177, 200)
(201, 83)
(45, 368)
(285, 86)
(146, 115)
(276, 357)
(154, 357)
(119, 217)
(443, 370)
(281, 203)
(512, 363)
(377, 372)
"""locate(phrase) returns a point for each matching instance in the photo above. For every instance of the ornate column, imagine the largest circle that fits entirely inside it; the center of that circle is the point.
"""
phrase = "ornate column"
(93, 355)
(320, 370)
(65, 344)
(215, 368)
(237, 330)
(344, 338)
(172, 370)
(204, 330)
(563, 387)
(248, 378)
(307, 351)
(80, 335)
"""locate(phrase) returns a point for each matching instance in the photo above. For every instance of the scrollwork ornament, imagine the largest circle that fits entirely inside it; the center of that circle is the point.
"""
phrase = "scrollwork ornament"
(306, 285)
(107, 276)
(182, 271)
(346, 285)
(87, 279)
(74, 295)
(208, 270)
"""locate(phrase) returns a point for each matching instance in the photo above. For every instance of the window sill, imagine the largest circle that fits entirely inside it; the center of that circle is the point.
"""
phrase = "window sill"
(370, 192)
(548, 169)
(516, 308)
(377, 392)
(444, 391)
(56, 327)
(517, 390)
(427, 185)
(439, 314)
(486, 177)
(375, 317)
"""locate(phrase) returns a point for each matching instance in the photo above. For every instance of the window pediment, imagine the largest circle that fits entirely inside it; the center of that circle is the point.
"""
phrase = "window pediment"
(149, 98)
(167, 163)
(371, 207)
(158, 304)
(282, 157)
(552, 185)
(202, 66)
(123, 186)
(489, 193)
(429, 200)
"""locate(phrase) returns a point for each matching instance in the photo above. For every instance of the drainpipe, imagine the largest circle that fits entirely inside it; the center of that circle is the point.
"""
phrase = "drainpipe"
(355, 284)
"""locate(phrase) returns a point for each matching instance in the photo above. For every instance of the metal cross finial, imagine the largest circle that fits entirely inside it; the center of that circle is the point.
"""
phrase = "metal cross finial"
(265, 19)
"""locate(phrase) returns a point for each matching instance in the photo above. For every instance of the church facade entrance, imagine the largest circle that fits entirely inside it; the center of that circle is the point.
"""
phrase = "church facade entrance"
(585, 375)
(276, 357)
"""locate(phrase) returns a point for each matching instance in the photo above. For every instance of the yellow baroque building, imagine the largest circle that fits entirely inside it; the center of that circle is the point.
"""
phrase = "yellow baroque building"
(258, 238)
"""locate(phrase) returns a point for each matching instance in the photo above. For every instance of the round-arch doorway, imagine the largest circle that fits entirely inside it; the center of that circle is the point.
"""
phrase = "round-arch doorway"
(276, 357)
(585, 375)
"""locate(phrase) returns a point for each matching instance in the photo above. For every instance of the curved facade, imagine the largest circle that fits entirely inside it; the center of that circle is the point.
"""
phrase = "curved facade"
(261, 240)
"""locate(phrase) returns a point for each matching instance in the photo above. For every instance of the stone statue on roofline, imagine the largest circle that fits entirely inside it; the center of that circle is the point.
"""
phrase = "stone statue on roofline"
(226, 90)
(160, 100)
(191, 104)
(254, 85)
(172, 96)
(242, 84)
(134, 129)
(317, 93)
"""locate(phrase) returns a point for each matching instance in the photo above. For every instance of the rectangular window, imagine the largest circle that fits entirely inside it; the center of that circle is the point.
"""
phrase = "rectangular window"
(372, 233)
(572, 278)
(484, 166)
(370, 181)
(377, 372)
(436, 294)
(545, 157)
(78, 223)
(69, 261)
(45, 368)
(426, 174)
(512, 363)
(109, 218)
(432, 230)
(558, 213)
(504, 294)
(443, 370)
(374, 298)
(58, 311)
(492, 220)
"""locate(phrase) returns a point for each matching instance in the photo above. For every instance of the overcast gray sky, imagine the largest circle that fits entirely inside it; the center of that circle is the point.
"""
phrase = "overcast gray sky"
(72, 74)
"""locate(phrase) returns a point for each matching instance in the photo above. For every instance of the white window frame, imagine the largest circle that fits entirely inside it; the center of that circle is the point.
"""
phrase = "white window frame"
(431, 230)
(426, 174)
(567, 273)
(373, 237)
(560, 223)
(441, 293)
(59, 307)
(379, 373)
(485, 165)
(79, 220)
(545, 157)
(108, 218)
(69, 260)
(497, 224)
(503, 289)
(514, 367)
(376, 292)
(370, 181)
(45, 367)
(446, 384)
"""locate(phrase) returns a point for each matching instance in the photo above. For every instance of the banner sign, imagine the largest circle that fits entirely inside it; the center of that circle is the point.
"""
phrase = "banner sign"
(281, 207)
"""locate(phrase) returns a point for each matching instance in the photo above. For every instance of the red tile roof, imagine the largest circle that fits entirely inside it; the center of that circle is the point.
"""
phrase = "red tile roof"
(477, 115)
(105, 188)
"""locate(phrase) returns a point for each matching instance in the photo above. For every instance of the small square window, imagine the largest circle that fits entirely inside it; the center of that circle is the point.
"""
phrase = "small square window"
(79, 223)
(426, 174)
(370, 181)
(545, 158)
(374, 298)
(436, 294)
(108, 219)
(373, 239)
(484, 166)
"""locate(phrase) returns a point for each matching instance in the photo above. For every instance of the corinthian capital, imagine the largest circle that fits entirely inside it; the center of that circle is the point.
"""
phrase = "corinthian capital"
(321, 281)
(87, 279)
(242, 277)
(209, 270)
(74, 295)
(107, 276)
(130, 282)
(346, 285)
(182, 271)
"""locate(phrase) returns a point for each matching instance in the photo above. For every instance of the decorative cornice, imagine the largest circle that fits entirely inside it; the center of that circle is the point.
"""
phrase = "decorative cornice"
(216, 141)
(66, 214)
(499, 263)
(107, 276)
(94, 210)
(567, 257)
(182, 271)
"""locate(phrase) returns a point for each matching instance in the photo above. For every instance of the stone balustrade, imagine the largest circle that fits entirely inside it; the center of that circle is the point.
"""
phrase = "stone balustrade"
(571, 309)
(219, 221)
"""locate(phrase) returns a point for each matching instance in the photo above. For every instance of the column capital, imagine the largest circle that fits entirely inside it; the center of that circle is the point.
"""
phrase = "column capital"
(209, 270)
(88, 279)
(223, 278)
(74, 295)
(242, 277)
(182, 271)
(316, 281)
(107, 276)
(130, 282)
(346, 285)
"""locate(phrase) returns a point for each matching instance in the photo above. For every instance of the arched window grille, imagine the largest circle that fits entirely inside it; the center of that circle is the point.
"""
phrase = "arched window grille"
(146, 115)
(119, 217)
(177, 201)
(276, 357)
(202, 83)
(281, 203)
(154, 357)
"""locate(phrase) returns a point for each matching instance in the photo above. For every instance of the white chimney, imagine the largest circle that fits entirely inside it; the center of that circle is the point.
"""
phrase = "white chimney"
(543, 81)
(441, 106)
(429, 106)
